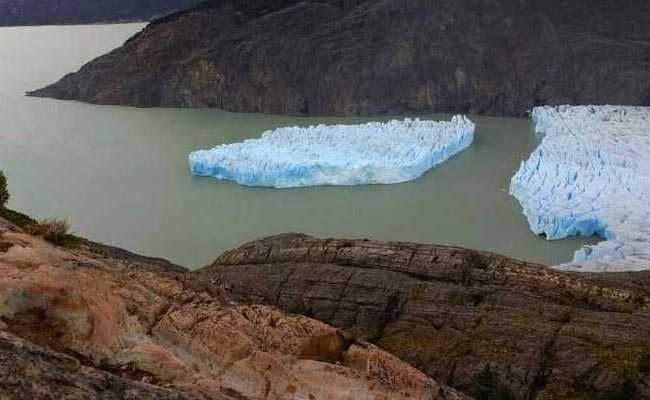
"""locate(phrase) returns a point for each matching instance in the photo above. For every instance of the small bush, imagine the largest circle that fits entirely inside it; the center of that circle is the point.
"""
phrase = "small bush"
(485, 386)
(51, 230)
(644, 364)
(627, 391)
(4, 190)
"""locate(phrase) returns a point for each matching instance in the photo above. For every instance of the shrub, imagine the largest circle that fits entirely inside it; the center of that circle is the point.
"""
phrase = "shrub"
(4, 191)
(644, 364)
(51, 230)
(627, 391)
(485, 386)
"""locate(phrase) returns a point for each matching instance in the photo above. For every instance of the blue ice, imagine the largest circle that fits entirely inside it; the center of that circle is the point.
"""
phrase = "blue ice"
(372, 153)
(591, 176)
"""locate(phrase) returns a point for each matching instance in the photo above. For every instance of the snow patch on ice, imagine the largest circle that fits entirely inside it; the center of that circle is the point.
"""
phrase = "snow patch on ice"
(591, 176)
(372, 153)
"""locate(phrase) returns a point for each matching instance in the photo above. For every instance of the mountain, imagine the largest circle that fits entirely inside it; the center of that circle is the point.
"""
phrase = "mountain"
(350, 57)
(56, 12)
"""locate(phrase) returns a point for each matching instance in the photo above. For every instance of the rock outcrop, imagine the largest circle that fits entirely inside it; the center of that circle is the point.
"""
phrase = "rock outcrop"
(55, 12)
(294, 317)
(28, 371)
(87, 323)
(459, 314)
(378, 56)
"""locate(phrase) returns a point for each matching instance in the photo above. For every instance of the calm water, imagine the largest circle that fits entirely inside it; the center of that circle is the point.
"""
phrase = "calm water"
(120, 174)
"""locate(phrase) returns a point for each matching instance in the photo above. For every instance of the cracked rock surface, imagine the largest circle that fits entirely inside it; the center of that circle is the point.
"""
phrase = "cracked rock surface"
(96, 322)
(294, 317)
(451, 312)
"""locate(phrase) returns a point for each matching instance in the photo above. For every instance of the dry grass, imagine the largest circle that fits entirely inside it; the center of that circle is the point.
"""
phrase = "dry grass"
(16, 218)
(51, 230)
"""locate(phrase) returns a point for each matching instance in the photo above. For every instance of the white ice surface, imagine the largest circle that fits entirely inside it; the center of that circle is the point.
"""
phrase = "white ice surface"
(372, 153)
(591, 175)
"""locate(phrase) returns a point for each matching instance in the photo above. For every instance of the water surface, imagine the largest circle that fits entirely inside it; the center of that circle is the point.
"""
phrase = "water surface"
(120, 174)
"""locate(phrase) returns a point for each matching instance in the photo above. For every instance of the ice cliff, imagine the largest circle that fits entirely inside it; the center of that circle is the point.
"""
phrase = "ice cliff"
(591, 175)
(372, 153)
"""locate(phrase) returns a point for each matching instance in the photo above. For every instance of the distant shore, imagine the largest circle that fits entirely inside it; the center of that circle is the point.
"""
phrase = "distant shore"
(80, 23)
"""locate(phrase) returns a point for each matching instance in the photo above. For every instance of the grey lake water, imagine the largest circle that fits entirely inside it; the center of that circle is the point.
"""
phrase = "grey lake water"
(120, 174)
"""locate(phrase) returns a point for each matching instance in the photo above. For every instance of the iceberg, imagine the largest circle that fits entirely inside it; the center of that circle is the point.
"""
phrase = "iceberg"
(591, 176)
(372, 153)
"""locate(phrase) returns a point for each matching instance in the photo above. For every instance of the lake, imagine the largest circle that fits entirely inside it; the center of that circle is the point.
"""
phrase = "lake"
(120, 175)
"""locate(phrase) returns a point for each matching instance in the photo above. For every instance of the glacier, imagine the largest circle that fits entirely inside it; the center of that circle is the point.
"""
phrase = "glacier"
(591, 176)
(371, 153)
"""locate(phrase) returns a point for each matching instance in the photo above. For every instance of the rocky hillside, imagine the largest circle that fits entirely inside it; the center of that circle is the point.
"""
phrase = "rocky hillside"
(81, 324)
(293, 317)
(458, 314)
(54, 12)
(378, 56)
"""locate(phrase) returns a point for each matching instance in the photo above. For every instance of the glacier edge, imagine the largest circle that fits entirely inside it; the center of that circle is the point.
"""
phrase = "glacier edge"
(591, 176)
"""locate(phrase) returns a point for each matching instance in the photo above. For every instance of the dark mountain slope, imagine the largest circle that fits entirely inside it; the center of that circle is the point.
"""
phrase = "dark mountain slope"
(378, 56)
(52, 12)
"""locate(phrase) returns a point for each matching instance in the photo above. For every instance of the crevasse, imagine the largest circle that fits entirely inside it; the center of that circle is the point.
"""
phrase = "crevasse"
(591, 175)
(372, 153)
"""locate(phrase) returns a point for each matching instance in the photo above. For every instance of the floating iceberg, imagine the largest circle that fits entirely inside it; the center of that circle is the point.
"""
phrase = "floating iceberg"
(391, 152)
(591, 175)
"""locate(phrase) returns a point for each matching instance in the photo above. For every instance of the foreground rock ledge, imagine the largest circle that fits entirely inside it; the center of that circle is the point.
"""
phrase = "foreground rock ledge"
(451, 311)
(95, 322)
(99, 322)
(377, 56)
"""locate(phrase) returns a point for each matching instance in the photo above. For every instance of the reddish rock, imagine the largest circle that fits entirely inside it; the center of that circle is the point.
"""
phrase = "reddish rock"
(77, 324)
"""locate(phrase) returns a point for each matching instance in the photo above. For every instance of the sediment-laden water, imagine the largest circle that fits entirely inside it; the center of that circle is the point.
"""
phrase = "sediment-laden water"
(121, 174)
